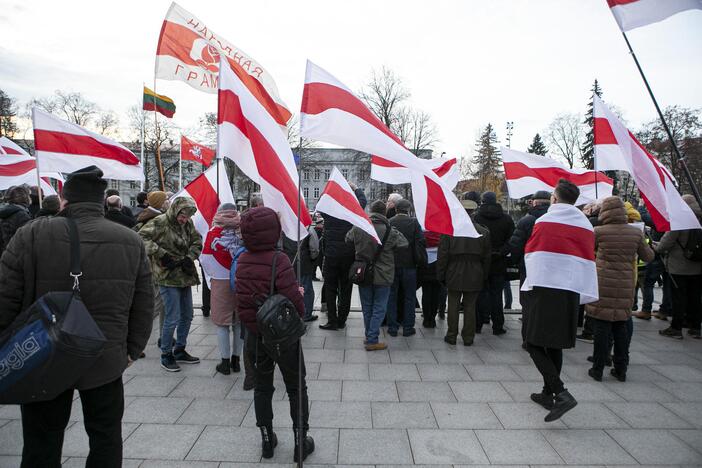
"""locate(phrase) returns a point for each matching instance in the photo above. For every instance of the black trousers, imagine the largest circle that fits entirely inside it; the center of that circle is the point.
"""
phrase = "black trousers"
(205, 295)
(490, 305)
(606, 333)
(44, 423)
(264, 368)
(431, 293)
(686, 301)
(337, 283)
(549, 362)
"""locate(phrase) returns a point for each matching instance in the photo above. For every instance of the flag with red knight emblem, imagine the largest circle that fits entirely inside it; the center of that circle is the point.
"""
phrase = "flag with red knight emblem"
(189, 51)
(192, 151)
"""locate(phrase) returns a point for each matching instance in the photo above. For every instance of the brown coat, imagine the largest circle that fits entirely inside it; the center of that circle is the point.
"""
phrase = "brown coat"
(617, 246)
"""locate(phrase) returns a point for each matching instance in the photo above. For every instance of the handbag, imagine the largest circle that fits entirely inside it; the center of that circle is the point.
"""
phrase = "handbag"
(50, 345)
(362, 272)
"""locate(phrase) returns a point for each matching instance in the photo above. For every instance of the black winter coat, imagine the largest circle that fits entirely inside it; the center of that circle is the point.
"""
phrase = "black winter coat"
(116, 285)
(406, 257)
(119, 217)
(12, 217)
(501, 228)
(521, 235)
(335, 230)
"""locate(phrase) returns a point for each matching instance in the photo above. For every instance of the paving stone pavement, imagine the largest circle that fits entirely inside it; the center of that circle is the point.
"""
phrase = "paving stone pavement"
(420, 403)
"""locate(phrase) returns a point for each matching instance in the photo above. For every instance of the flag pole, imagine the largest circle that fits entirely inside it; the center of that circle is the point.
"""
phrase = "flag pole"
(681, 159)
(299, 207)
(36, 161)
(143, 132)
(594, 146)
(157, 134)
(180, 169)
(300, 430)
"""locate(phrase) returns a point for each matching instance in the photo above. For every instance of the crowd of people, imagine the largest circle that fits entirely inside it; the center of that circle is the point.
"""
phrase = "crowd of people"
(149, 265)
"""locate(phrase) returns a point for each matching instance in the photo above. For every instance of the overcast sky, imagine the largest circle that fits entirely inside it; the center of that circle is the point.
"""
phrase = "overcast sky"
(466, 62)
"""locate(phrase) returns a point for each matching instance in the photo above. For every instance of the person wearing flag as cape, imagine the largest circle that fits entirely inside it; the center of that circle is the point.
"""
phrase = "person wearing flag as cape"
(560, 275)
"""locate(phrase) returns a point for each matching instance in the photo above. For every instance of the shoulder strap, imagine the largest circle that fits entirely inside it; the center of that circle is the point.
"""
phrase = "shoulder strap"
(75, 252)
(379, 249)
(273, 271)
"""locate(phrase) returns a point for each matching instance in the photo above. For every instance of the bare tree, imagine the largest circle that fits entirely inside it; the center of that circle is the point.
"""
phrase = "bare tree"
(163, 136)
(565, 135)
(293, 133)
(385, 94)
(71, 106)
(208, 127)
(422, 134)
(107, 123)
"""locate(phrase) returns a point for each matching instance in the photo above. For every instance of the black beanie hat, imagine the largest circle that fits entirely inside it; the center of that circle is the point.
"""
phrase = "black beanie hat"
(85, 185)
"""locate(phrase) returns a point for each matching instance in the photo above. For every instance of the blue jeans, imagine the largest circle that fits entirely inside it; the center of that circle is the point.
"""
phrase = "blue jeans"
(306, 282)
(178, 313)
(374, 302)
(406, 280)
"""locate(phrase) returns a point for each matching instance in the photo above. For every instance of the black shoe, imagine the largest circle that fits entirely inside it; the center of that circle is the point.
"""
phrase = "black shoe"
(223, 367)
(409, 332)
(595, 374)
(620, 376)
(205, 313)
(543, 399)
(585, 338)
(499, 332)
(671, 332)
(426, 324)
(311, 318)
(451, 341)
(236, 366)
(269, 441)
(563, 403)
(249, 382)
(341, 326)
(467, 343)
(307, 447)
(142, 355)
(328, 326)
(608, 361)
(158, 343)
(169, 363)
(524, 346)
(181, 355)
(392, 332)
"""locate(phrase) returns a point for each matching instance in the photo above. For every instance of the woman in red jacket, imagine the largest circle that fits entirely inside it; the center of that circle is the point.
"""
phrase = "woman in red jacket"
(260, 231)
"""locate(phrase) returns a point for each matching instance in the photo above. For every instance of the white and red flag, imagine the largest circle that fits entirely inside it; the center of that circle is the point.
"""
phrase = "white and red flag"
(332, 113)
(385, 170)
(63, 146)
(617, 149)
(560, 254)
(339, 201)
(250, 137)
(193, 151)
(17, 167)
(631, 14)
(203, 190)
(189, 51)
(527, 173)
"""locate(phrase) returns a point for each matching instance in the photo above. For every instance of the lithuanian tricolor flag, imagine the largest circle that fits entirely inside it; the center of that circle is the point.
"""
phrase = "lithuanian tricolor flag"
(159, 103)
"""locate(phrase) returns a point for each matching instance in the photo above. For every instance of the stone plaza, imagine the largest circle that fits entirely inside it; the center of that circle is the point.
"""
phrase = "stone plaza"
(421, 402)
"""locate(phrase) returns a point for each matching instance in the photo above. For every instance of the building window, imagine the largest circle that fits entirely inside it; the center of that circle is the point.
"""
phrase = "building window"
(345, 173)
(317, 174)
(133, 184)
(372, 194)
(132, 202)
(306, 192)
(316, 192)
(306, 174)
(114, 184)
(327, 173)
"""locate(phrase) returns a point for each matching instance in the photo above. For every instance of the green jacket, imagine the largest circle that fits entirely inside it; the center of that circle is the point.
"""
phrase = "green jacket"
(463, 263)
(365, 245)
(164, 236)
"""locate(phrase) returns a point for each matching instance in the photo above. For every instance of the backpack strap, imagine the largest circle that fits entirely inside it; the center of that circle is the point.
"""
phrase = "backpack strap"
(273, 271)
(379, 249)
(75, 252)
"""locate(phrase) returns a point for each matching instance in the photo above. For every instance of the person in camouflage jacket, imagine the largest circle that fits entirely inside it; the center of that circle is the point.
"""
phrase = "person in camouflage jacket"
(173, 245)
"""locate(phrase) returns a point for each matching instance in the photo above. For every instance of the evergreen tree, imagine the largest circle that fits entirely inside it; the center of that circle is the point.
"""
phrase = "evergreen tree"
(537, 146)
(487, 160)
(588, 156)
(8, 113)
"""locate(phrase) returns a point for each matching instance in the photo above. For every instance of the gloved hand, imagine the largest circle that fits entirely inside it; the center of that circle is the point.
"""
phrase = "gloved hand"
(188, 266)
(168, 262)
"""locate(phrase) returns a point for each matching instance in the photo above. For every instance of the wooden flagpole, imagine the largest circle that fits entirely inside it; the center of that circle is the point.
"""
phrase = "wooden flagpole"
(157, 134)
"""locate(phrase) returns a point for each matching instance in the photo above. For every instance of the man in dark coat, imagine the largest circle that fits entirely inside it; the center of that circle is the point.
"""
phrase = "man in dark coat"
(126, 211)
(309, 251)
(407, 260)
(142, 203)
(14, 214)
(501, 227)
(260, 231)
(50, 206)
(114, 212)
(116, 289)
(538, 206)
(338, 258)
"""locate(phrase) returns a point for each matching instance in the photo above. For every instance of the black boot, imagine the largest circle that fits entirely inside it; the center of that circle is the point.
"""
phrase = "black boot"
(223, 367)
(619, 375)
(544, 398)
(269, 441)
(307, 445)
(564, 403)
(595, 374)
(236, 367)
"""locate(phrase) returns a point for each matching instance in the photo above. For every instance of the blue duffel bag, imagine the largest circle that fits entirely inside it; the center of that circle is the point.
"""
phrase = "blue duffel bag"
(50, 345)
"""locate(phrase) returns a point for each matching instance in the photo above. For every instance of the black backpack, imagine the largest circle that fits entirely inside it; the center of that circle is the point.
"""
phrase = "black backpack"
(279, 325)
(692, 250)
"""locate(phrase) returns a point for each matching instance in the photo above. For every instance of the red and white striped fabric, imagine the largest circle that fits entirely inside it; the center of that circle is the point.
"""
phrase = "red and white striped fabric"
(250, 137)
(631, 14)
(391, 172)
(527, 173)
(17, 167)
(63, 146)
(332, 113)
(203, 190)
(560, 253)
(338, 200)
(617, 149)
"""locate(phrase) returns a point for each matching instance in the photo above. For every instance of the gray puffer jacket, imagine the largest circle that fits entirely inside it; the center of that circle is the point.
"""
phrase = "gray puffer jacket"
(671, 247)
